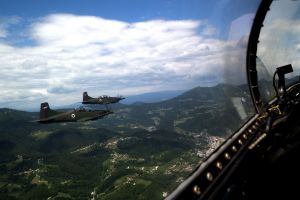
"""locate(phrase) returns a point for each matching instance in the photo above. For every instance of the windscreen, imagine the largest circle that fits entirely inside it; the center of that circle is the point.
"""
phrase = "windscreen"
(279, 45)
(120, 99)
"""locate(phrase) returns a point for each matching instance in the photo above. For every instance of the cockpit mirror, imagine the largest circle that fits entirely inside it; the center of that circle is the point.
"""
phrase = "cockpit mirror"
(281, 71)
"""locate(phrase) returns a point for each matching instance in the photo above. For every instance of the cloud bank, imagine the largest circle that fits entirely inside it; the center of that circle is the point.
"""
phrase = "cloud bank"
(69, 54)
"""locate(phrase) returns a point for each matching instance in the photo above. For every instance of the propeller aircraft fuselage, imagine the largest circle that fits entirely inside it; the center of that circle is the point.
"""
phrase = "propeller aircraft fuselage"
(48, 115)
(100, 100)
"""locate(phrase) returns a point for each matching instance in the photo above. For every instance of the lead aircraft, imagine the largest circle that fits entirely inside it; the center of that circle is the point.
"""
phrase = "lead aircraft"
(48, 115)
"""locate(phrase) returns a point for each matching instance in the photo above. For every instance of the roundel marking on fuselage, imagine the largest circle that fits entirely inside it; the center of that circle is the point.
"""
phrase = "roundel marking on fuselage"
(73, 115)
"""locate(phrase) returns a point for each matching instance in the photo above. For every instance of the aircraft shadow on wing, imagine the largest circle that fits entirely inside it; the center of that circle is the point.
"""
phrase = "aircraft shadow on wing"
(100, 100)
(48, 115)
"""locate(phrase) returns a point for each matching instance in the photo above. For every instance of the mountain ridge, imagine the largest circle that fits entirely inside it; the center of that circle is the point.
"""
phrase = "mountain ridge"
(141, 147)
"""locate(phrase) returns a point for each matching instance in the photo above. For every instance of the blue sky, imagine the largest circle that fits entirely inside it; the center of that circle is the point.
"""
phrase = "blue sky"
(52, 50)
(218, 12)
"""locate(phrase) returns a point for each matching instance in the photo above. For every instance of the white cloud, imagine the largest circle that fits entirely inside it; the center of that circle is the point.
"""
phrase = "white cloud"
(86, 53)
(5, 23)
(279, 45)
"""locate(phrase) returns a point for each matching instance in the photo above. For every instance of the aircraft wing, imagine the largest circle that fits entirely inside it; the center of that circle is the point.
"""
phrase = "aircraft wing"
(84, 119)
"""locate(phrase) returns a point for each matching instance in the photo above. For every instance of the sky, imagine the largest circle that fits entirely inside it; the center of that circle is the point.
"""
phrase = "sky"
(53, 50)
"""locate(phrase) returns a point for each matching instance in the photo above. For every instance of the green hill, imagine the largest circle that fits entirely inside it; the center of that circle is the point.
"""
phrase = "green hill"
(145, 148)
(202, 108)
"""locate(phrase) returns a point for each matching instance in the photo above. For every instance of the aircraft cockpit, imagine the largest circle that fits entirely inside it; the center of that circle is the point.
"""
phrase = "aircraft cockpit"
(261, 156)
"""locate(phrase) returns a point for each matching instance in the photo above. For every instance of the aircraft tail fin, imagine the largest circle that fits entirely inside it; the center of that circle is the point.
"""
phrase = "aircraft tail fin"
(44, 111)
(85, 97)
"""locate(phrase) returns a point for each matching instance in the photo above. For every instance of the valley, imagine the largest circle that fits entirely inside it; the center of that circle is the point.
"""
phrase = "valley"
(142, 151)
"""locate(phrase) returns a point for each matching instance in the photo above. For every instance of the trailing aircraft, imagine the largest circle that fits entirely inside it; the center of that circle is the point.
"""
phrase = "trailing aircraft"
(48, 115)
(100, 100)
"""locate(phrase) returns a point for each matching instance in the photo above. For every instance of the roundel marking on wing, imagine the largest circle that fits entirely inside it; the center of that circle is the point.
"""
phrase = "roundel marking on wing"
(73, 115)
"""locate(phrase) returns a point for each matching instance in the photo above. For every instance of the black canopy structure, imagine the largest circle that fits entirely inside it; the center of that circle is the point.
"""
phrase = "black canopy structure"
(259, 161)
